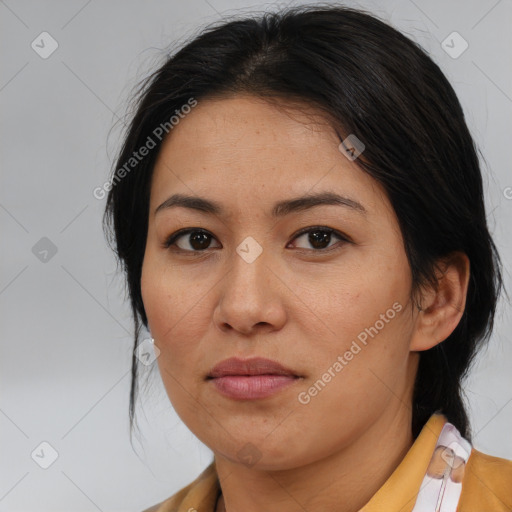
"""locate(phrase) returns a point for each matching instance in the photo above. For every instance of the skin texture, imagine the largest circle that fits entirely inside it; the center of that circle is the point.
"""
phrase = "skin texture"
(299, 305)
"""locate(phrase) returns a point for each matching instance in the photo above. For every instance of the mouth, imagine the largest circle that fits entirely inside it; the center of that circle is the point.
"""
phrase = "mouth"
(250, 379)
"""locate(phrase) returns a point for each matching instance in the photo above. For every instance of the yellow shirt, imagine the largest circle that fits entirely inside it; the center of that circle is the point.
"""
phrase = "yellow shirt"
(486, 487)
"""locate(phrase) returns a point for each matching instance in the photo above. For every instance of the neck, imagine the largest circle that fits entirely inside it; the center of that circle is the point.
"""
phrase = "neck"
(344, 481)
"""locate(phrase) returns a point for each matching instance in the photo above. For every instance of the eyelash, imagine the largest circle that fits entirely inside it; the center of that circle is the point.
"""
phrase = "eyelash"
(182, 232)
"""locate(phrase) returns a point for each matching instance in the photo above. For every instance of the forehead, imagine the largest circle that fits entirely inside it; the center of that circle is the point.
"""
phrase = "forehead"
(245, 124)
(237, 147)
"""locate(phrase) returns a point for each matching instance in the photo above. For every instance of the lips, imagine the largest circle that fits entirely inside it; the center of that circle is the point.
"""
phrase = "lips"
(249, 367)
(250, 379)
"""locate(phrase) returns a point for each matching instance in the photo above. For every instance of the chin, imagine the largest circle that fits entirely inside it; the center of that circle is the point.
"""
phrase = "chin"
(260, 453)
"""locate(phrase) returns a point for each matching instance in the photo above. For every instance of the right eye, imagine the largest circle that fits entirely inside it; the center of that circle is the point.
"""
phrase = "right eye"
(197, 240)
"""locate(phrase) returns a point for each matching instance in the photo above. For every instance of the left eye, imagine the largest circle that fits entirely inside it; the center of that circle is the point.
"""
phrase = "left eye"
(319, 237)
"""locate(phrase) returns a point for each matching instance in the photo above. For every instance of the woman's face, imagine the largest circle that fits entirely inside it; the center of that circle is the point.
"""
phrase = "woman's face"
(331, 308)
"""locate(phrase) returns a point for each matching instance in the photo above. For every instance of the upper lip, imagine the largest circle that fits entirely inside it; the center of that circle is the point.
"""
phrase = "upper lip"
(253, 366)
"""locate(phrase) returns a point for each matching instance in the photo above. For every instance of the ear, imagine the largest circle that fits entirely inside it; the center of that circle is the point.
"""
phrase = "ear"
(442, 307)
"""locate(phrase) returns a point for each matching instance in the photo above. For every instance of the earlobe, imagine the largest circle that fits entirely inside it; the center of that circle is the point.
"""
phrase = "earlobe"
(442, 307)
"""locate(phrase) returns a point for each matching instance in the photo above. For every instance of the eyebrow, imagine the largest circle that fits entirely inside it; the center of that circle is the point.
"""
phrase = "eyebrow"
(280, 209)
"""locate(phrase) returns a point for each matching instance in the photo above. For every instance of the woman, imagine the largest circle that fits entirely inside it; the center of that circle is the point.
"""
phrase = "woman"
(299, 211)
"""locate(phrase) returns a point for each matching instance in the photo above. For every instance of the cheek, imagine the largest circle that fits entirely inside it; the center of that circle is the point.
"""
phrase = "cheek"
(360, 313)
(160, 304)
(154, 298)
(175, 308)
(351, 382)
(348, 298)
(171, 309)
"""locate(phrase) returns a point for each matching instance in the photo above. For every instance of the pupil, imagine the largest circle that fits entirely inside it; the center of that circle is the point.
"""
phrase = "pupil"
(318, 238)
(202, 240)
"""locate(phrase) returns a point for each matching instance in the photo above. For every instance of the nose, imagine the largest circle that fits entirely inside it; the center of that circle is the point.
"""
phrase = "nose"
(252, 296)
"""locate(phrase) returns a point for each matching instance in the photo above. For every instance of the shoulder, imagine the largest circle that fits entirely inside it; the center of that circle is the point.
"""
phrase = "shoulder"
(487, 483)
(170, 504)
(201, 494)
(154, 508)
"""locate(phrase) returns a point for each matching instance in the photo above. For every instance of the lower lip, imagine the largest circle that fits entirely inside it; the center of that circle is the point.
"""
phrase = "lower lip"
(245, 387)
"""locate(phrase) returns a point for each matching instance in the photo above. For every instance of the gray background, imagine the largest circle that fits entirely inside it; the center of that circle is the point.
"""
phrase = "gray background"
(65, 330)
